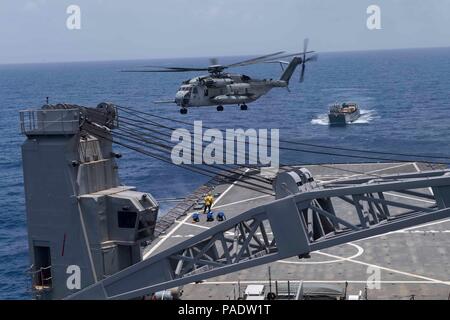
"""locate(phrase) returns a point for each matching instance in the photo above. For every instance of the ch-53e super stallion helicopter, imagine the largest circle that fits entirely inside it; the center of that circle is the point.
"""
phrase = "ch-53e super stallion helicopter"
(220, 88)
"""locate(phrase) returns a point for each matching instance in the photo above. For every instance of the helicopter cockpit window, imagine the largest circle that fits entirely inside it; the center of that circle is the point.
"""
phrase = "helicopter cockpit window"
(245, 78)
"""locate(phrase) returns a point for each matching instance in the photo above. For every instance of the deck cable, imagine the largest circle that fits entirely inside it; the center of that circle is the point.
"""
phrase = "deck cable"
(302, 143)
(168, 148)
(153, 123)
(205, 172)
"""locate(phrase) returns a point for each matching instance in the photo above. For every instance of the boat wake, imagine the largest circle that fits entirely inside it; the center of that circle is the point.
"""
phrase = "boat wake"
(366, 117)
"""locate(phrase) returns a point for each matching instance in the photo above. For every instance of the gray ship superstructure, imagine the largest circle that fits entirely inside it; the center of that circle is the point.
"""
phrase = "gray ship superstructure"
(83, 225)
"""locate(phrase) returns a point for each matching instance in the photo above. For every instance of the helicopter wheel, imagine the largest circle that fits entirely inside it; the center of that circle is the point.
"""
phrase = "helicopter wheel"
(183, 110)
(244, 107)
(219, 108)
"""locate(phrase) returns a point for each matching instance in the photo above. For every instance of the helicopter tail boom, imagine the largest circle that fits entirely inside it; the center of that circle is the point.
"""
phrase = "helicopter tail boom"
(287, 74)
(164, 101)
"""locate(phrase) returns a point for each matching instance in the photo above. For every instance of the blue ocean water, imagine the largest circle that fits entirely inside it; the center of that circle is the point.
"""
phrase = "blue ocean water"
(404, 96)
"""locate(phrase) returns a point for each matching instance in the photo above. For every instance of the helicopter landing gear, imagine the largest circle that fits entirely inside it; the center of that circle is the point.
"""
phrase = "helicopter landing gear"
(219, 108)
(244, 107)
(183, 110)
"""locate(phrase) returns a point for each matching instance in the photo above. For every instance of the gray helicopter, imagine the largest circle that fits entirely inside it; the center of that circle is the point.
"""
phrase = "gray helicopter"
(219, 88)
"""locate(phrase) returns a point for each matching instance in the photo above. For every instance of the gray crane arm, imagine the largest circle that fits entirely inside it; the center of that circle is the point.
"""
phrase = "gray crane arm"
(292, 226)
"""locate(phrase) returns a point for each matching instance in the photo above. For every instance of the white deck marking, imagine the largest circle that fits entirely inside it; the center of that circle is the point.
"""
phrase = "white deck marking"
(360, 252)
(229, 188)
(424, 231)
(386, 269)
(418, 170)
(242, 201)
(202, 227)
(205, 227)
(171, 232)
(346, 164)
(167, 236)
(410, 228)
(234, 282)
(406, 229)
(369, 172)
(410, 198)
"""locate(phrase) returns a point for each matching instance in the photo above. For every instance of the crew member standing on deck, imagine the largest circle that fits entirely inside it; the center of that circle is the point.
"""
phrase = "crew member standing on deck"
(209, 200)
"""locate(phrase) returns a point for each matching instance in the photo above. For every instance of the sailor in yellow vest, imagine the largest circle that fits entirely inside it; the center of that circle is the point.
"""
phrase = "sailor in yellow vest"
(209, 200)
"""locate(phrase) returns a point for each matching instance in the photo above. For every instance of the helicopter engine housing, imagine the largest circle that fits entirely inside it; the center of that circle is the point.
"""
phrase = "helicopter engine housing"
(218, 83)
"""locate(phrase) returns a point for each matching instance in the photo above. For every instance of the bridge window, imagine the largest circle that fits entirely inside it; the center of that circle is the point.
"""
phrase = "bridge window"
(206, 92)
(195, 90)
(126, 219)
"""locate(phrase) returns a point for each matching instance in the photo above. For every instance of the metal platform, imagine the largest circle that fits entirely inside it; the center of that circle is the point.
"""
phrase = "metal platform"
(412, 263)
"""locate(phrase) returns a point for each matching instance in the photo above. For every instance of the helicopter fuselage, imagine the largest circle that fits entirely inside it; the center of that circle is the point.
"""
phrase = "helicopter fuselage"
(219, 88)
(223, 89)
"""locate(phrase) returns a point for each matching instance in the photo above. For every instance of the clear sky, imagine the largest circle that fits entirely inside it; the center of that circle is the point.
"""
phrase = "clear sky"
(35, 30)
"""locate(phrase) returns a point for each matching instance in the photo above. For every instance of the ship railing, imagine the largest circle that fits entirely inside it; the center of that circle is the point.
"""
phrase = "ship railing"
(59, 121)
(41, 278)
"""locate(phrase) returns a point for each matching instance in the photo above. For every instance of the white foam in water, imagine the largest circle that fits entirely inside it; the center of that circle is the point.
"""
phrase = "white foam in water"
(366, 117)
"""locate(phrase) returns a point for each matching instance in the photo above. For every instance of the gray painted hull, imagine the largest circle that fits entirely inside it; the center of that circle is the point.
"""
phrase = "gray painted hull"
(341, 119)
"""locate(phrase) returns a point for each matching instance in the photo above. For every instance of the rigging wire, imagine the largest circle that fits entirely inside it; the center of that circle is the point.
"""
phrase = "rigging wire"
(133, 131)
(134, 134)
(292, 149)
(265, 180)
(205, 172)
(300, 143)
(169, 148)
(147, 122)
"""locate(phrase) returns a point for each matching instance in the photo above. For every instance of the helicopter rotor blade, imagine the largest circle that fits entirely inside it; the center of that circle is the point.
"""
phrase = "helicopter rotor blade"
(306, 59)
(302, 73)
(172, 69)
(164, 101)
(312, 58)
(292, 55)
(214, 67)
(254, 60)
(213, 61)
(305, 47)
(158, 68)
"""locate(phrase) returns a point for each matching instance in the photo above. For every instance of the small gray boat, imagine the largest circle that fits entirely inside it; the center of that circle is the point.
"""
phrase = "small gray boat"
(343, 114)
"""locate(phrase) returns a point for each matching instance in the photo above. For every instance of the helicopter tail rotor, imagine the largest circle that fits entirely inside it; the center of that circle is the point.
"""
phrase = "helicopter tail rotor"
(306, 59)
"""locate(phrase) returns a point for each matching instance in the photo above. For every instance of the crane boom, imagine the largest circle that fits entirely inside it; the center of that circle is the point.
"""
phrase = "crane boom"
(292, 226)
